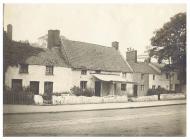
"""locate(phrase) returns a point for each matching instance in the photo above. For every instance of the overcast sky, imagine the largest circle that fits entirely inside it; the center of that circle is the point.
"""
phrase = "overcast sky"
(132, 25)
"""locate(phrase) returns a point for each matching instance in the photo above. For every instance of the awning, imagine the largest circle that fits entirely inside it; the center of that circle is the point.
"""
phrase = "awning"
(111, 78)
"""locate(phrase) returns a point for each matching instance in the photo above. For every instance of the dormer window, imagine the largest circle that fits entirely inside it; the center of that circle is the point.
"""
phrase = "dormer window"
(23, 68)
(49, 70)
(98, 71)
(83, 72)
(124, 74)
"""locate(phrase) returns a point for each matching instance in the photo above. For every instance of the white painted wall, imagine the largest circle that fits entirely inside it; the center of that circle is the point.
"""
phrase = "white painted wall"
(160, 80)
(61, 78)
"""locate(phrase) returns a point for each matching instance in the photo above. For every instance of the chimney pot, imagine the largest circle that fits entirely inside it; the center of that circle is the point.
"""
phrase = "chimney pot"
(131, 55)
(115, 44)
(9, 31)
(53, 38)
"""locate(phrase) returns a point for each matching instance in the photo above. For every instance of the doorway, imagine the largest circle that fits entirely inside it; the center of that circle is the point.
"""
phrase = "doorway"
(97, 88)
(48, 87)
(135, 90)
(34, 87)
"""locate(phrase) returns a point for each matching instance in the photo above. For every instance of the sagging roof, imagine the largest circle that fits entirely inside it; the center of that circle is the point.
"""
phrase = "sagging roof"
(94, 57)
(142, 67)
(18, 53)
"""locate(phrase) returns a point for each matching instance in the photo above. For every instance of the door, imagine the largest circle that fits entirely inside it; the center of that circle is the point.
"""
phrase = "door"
(48, 87)
(17, 84)
(135, 90)
(177, 88)
(34, 87)
(97, 88)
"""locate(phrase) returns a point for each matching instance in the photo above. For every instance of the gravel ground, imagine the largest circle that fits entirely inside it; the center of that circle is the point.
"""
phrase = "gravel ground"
(152, 121)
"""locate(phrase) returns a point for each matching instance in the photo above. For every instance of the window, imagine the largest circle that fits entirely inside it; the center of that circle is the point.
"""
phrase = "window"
(123, 87)
(98, 71)
(153, 86)
(17, 84)
(83, 84)
(124, 74)
(48, 87)
(83, 72)
(142, 76)
(167, 75)
(49, 70)
(153, 77)
(23, 68)
(142, 87)
(34, 87)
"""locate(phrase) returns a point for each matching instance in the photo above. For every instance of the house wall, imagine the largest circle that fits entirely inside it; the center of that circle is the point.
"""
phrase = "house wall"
(137, 79)
(174, 80)
(160, 80)
(61, 78)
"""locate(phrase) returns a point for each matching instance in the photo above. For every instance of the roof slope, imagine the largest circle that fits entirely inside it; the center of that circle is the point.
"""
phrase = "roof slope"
(142, 67)
(24, 53)
(95, 57)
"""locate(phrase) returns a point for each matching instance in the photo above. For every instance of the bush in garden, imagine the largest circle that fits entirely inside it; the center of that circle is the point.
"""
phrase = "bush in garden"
(156, 91)
(82, 92)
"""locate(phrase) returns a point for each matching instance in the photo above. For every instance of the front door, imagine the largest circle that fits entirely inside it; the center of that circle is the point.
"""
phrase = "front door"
(97, 88)
(17, 84)
(48, 87)
(34, 87)
(135, 90)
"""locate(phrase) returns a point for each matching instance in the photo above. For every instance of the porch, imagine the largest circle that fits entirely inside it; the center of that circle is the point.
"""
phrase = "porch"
(109, 84)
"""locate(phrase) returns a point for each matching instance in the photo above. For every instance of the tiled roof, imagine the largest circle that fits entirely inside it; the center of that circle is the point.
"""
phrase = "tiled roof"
(142, 67)
(94, 57)
(24, 53)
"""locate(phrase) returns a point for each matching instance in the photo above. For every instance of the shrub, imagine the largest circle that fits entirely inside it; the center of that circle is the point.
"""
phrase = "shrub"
(82, 92)
(156, 91)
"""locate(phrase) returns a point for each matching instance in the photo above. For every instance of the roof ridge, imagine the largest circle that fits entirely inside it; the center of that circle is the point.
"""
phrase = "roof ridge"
(98, 45)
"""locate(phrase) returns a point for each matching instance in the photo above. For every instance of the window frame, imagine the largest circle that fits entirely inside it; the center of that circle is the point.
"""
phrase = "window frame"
(49, 70)
(142, 87)
(83, 84)
(123, 87)
(124, 74)
(97, 71)
(23, 68)
(83, 72)
(153, 77)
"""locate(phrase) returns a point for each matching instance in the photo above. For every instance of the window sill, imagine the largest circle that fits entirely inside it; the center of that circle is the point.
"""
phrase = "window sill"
(49, 74)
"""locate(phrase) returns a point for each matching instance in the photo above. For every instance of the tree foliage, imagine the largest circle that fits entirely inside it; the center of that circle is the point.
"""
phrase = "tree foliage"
(169, 43)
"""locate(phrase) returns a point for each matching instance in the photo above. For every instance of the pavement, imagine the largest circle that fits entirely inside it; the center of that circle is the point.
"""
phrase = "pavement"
(25, 109)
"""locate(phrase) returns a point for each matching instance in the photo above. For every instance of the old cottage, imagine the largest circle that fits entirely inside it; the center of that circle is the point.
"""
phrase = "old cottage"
(64, 64)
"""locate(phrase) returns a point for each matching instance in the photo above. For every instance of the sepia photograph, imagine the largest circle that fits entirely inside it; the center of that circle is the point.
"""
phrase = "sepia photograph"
(94, 70)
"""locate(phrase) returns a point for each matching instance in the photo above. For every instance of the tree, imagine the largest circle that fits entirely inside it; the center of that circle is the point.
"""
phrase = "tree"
(169, 44)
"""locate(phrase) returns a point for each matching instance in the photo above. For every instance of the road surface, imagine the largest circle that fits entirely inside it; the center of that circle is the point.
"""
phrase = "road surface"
(152, 121)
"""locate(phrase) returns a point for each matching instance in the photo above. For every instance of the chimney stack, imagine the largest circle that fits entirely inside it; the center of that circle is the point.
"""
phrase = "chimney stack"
(53, 38)
(9, 31)
(131, 55)
(115, 44)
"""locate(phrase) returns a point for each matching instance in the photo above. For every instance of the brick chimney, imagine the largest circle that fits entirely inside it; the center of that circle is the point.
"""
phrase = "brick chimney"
(147, 60)
(53, 38)
(115, 44)
(9, 31)
(131, 55)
